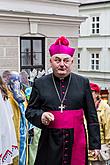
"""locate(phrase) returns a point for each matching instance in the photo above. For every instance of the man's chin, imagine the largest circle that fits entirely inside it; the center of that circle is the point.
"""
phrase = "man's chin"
(62, 74)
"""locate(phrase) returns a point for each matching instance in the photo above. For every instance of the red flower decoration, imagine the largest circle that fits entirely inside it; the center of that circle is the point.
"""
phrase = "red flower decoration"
(95, 87)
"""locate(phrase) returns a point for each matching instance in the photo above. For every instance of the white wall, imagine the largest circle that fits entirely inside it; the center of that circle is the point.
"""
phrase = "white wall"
(98, 10)
(35, 18)
(101, 42)
(53, 7)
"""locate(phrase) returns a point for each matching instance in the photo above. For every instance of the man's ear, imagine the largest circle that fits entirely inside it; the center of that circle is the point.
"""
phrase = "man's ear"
(72, 60)
(50, 60)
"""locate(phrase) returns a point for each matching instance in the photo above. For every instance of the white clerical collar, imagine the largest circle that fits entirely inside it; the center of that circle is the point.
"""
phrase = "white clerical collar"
(61, 78)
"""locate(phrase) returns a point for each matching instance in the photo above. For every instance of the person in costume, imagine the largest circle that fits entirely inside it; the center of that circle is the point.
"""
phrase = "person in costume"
(33, 132)
(8, 141)
(103, 111)
(57, 105)
(19, 103)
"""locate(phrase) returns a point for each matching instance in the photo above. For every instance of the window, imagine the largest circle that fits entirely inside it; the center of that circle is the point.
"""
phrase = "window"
(79, 31)
(95, 61)
(32, 53)
(78, 60)
(95, 25)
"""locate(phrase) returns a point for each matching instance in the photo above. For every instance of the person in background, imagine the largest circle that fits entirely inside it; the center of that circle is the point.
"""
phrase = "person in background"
(24, 80)
(6, 76)
(57, 105)
(8, 140)
(19, 103)
(33, 132)
(103, 111)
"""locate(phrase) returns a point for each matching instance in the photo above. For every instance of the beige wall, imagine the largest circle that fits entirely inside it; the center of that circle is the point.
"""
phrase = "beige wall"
(8, 53)
(17, 21)
(12, 31)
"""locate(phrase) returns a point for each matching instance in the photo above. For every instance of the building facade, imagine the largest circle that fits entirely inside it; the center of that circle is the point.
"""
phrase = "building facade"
(94, 43)
(28, 27)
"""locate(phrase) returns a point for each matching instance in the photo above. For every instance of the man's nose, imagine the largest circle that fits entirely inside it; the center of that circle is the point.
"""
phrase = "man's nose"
(61, 63)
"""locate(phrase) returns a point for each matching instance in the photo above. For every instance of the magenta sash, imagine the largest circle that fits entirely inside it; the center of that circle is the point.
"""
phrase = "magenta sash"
(73, 119)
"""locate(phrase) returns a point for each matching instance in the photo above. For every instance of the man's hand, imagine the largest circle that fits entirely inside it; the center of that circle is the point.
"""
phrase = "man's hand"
(46, 118)
(94, 153)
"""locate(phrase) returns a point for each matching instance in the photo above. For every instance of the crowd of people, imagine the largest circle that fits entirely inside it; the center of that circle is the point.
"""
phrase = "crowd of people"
(18, 145)
(58, 119)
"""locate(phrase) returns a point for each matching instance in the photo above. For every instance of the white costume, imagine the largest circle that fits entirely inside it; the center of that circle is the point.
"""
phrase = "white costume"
(8, 142)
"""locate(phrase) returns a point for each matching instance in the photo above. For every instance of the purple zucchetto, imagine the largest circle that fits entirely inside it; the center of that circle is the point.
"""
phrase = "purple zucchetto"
(61, 46)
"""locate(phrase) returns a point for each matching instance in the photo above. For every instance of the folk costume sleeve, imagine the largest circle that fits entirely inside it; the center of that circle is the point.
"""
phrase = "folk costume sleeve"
(92, 120)
(104, 113)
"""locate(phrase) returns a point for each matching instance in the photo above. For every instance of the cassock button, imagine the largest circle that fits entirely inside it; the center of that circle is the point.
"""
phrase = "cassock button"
(67, 134)
(66, 155)
(65, 162)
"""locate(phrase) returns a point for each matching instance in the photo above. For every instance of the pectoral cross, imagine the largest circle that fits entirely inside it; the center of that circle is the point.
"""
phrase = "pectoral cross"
(61, 107)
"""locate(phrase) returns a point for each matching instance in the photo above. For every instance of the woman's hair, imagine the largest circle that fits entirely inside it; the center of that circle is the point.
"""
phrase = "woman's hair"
(3, 89)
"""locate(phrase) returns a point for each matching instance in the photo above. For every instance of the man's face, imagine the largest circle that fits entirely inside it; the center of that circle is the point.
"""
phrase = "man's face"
(61, 64)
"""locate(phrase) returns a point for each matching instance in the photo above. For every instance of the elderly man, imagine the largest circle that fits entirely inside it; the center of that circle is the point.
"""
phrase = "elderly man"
(57, 105)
